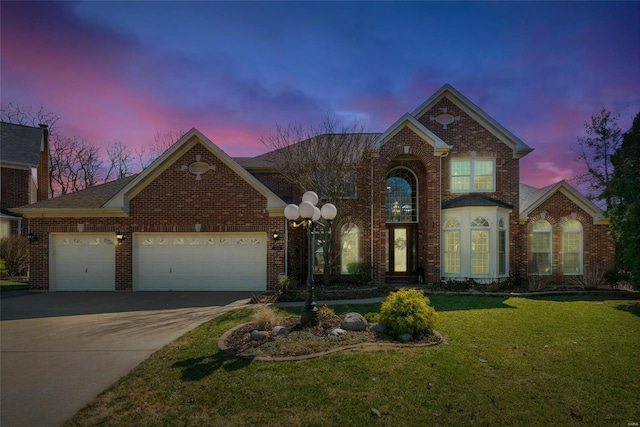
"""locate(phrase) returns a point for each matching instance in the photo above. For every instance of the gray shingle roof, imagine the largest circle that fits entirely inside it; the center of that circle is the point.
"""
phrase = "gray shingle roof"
(530, 195)
(474, 200)
(20, 144)
(89, 198)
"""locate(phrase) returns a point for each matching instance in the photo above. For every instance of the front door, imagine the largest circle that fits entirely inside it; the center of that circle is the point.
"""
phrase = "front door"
(401, 251)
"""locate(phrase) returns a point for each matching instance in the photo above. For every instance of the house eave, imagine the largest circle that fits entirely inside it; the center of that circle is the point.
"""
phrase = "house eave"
(70, 213)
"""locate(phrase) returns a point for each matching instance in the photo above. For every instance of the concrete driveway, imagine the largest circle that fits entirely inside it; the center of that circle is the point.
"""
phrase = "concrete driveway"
(60, 350)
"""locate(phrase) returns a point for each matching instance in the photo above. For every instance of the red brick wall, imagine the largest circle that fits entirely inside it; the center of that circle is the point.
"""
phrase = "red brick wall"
(15, 187)
(174, 201)
(598, 247)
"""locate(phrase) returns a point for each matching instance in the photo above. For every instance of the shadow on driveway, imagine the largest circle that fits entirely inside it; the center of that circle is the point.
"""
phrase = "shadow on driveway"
(58, 304)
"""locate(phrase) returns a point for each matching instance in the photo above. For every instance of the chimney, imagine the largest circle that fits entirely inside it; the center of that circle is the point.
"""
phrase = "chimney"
(44, 185)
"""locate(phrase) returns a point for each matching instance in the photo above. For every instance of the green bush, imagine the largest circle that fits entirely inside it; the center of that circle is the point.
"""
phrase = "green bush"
(360, 272)
(407, 311)
(372, 317)
(3, 269)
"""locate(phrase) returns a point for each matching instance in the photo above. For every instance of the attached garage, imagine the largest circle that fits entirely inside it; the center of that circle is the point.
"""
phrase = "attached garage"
(200, 261)
(83, 262)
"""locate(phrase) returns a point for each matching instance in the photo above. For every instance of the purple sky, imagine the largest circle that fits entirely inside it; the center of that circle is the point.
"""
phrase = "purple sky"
(116, 71)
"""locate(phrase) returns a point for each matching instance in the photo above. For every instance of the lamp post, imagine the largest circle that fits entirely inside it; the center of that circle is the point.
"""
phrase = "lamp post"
(308, 215)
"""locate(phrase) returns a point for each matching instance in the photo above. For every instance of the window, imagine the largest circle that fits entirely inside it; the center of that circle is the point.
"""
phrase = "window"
(452, 247)
(350, 247)
(572, 247)
(541, 247)
(401, 204)
(502, 247)
(479, 246)
(469, 175)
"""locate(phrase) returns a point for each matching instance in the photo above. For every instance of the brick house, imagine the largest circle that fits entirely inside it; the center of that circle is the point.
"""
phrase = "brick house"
(440, 188)
(24, 172)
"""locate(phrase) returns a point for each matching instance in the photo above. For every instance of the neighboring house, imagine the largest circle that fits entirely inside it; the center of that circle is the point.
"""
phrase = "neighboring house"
(440, 191)
(24, 176)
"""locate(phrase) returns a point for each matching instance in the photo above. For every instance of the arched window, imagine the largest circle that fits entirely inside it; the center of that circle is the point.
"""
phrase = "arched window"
(452, 246)
(479, 246)
(502, 247)
(350, 246)
(402, 196)
(572, 247)
(541, 247)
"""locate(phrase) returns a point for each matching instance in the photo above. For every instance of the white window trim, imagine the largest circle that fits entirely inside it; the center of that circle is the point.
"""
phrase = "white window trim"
(472, 176)
(550, 256)
(580, 252)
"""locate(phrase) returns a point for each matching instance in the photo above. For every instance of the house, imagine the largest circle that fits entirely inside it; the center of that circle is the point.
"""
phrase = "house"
(24, 172)
(440, 189)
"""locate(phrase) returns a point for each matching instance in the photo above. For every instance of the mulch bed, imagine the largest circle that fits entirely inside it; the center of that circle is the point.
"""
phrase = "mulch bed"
(308, 342)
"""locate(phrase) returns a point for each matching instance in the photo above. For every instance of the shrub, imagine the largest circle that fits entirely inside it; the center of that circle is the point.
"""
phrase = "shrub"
(14, 250)
(266, 318)
(589, 279)
(372, 317)
(3, 269)
(407, 311)
(326, 312)
(360, 272)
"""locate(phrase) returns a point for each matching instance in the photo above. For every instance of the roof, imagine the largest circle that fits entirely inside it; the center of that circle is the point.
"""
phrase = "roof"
(407, 120)
(474, 200)
(532, 197)
(89, 198)
(520, 149)
(269, 160)
(20, 144)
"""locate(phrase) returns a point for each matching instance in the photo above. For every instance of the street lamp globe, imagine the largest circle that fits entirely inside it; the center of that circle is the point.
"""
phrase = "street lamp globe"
(310, 196)
(329, 211)
(306, 209)
(291, 212)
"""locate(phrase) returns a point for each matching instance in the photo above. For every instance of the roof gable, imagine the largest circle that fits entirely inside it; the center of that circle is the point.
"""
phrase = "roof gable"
(20, 145)
(520, 149)
(121, 198)
(407, 120)
(531, 198)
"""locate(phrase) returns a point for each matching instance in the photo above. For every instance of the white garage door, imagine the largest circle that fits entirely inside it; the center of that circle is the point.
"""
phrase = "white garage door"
(200, 261)
(83, 262)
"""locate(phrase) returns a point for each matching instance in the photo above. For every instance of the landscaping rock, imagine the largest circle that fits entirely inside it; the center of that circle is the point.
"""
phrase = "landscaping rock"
(337, 332)
(377, 328)
(280, 330)
(259, 335)
(405, 337)
(354, 322)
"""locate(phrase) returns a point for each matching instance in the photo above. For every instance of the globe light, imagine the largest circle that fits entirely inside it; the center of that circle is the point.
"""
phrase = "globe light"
(306, 209)
(316, 214)
(291, 212)
(329, 211)
(311, 197)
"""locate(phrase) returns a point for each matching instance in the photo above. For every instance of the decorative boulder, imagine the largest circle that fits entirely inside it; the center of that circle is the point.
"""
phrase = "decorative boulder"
(337, 332)
(259, 335)
(280, 330)
(354, 322)
(377, 328)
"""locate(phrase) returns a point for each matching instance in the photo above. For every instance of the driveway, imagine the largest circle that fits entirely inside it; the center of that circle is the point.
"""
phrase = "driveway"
(60, 350)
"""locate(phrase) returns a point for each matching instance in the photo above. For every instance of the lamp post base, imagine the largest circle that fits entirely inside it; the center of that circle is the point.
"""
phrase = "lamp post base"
(310, 315)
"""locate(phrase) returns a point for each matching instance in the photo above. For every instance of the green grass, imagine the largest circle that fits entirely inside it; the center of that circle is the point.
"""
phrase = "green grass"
(9, 285)
(507, 361)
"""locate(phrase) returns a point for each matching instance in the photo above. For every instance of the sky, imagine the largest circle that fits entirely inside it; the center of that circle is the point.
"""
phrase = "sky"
(122, 71)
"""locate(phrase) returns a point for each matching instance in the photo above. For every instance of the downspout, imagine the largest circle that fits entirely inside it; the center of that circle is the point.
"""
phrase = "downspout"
(286, 248)
(445, 154)
(371, 257)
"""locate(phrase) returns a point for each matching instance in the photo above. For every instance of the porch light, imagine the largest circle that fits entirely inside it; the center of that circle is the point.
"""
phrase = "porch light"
(275, 236)
(32, 237)
(307, 214)
(120, 236)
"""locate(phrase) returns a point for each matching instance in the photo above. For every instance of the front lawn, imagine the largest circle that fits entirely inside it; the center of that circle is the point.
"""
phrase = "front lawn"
(507, 361)
(12, 285)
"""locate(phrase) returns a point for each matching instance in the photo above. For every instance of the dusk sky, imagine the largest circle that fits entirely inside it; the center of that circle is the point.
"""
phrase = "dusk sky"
(120, 71)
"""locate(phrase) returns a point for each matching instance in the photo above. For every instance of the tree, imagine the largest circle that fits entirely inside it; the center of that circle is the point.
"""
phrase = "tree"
(622, 192)
(20, 115)
(74, 164)
(602, 140)
(326, 159)
(120, 161)
(160, 143)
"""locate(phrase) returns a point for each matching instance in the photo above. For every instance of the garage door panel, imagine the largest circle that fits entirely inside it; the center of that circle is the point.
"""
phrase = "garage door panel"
(83, 262)
(200, 261)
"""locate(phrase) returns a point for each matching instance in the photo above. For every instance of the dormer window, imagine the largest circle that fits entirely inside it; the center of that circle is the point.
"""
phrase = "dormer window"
(472, 175)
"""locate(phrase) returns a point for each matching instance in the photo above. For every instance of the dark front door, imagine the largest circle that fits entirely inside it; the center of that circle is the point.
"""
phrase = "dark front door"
(402, 252)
